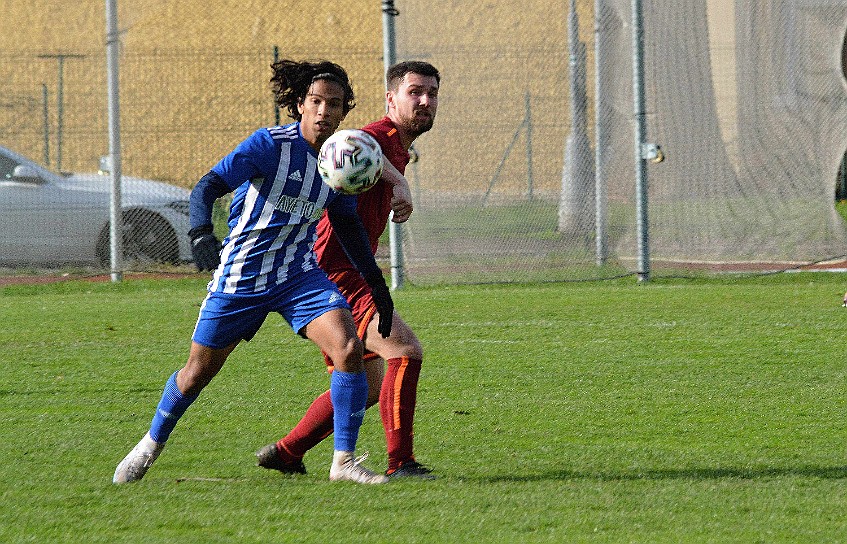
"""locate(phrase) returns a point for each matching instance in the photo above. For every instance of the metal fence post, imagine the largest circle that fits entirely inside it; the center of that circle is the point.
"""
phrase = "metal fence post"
(60, 99)
(116, 221)
(528, 116)
(642, 223)
(45, 113)
(395, 230)
(600, 202)
(276, 106)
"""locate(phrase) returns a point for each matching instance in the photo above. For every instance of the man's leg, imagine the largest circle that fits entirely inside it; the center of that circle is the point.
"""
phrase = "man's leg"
(397, 402)
(334, 332)
(398, 395)
(181, 390)
(316, 424)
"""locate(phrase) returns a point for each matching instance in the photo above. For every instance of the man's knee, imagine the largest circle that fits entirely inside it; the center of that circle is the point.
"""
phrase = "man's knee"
(203, 365)
(348, 356)
(412, 349)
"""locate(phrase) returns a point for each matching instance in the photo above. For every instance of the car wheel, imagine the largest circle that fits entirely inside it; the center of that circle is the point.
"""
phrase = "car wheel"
(147, 239)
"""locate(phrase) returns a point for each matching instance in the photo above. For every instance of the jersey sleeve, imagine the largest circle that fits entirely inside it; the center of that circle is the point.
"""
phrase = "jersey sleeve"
(202, 199)
(386, 135)
(344, 205)
(245, 161)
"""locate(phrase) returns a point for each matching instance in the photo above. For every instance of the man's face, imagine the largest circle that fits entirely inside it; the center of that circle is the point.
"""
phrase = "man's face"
(322, 111)
(413, 105)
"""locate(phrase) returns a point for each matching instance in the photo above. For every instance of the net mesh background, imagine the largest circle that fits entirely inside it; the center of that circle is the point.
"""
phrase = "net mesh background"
(746, 99)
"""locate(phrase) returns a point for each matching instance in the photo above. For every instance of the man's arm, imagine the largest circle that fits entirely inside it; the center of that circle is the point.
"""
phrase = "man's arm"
(205, 248)
(350, 230)
(401, 202)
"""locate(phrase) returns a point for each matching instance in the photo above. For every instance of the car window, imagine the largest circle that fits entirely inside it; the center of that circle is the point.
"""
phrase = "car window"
(7, 166)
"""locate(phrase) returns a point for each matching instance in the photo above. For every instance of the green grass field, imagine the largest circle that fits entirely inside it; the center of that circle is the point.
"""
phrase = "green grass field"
(709, 410)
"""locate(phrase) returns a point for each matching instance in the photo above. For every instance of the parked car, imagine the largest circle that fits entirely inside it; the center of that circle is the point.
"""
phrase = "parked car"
(49, 218)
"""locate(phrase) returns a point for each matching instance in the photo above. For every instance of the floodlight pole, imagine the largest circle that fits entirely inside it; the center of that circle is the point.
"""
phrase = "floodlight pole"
(60, 100)
(395, 230)
(45, 113)
(642, 224)
(116, 219)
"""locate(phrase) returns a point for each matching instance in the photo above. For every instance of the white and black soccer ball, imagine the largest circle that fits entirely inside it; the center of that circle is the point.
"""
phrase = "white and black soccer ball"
(350, 161)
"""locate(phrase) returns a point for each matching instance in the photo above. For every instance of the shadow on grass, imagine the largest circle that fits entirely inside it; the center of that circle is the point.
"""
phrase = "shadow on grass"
(697, 474)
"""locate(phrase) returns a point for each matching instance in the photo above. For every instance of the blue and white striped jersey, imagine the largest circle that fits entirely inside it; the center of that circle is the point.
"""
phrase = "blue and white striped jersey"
(278, 199)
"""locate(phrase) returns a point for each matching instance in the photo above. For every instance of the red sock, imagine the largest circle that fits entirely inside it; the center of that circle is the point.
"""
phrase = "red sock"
(314, 427)
(397, 400)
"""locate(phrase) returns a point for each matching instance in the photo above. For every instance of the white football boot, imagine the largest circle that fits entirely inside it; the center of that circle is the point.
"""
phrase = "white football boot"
(135, 464)
(346, 467)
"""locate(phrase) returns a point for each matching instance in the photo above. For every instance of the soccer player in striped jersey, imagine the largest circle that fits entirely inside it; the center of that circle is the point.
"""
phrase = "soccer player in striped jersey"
(412, 98)
(267, 263)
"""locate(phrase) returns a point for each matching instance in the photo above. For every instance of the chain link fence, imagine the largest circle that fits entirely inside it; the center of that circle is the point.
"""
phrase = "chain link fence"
(191, 88)
(525, 178)
(746, 100)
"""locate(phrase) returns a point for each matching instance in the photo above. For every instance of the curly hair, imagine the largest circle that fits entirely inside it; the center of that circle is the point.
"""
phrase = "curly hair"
(291, 81)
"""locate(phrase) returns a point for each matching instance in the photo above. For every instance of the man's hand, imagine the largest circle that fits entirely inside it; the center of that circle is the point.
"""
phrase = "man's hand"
(382, 301)
(205, 248)
(401, 203)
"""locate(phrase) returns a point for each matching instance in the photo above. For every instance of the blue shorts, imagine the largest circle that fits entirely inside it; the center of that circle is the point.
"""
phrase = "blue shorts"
(227, 318)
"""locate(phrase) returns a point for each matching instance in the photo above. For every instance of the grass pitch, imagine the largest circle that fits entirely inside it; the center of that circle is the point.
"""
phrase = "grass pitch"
(673, 411)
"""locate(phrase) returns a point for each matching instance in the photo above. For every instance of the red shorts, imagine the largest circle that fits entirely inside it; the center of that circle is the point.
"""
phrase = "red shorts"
(357, 292)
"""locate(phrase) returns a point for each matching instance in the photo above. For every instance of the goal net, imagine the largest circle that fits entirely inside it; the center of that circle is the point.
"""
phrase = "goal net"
(746, 99)
(529, 171)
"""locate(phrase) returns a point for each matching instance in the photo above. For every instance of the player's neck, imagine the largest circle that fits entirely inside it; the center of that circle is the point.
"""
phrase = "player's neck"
(406, 139)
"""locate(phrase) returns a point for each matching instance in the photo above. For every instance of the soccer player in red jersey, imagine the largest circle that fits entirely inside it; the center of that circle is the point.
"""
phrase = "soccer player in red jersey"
(412, 99)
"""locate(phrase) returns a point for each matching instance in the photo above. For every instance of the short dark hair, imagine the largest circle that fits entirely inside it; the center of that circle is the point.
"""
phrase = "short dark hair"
(398, 71)
(291, 81)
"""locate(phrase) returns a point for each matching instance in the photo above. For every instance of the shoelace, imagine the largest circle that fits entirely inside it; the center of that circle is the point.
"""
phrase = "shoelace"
(361, 459)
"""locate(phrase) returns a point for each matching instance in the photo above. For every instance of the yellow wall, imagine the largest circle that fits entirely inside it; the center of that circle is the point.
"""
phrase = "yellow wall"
(186, 68)
(194, 75)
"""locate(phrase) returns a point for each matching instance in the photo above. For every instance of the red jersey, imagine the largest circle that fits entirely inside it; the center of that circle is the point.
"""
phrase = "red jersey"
(374, 204)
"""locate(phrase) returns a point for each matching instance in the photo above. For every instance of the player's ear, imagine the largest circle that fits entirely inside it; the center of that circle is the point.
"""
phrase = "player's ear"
(389, 98)
(300, 108)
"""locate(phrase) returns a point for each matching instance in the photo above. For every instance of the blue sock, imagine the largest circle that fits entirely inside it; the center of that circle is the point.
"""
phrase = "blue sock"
(348, 392)
(169, 410)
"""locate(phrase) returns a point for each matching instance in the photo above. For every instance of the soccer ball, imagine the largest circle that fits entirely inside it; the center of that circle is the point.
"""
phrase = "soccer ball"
(350, 161)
